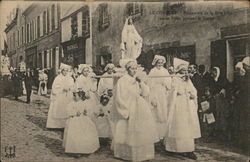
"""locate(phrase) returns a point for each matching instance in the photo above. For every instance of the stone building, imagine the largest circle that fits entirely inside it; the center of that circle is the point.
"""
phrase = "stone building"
(213, 34)
(76, 37)
(11, 35)
(42, 35)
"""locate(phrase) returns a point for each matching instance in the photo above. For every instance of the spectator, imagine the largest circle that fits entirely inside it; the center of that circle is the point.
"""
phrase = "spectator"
(28, 80)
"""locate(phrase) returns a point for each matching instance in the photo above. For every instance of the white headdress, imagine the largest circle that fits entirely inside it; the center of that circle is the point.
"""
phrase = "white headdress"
(180, 64)
(109, 66)
(158, 57)
(65, 66)
(246, 60)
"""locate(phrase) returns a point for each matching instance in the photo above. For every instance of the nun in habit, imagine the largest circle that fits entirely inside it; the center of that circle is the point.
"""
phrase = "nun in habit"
(106, 84)
(61, 95)
(134, 134)
(183, 123)
(159, 92)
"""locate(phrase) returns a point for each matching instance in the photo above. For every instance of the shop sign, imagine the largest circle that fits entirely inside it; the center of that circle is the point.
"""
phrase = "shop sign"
(72, 47)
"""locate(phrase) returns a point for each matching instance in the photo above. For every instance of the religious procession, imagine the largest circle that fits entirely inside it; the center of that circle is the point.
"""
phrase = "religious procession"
(136, 108)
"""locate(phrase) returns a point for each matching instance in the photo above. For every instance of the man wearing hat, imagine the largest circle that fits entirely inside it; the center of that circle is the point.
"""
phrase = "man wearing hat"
(183, 123)
(61, 95)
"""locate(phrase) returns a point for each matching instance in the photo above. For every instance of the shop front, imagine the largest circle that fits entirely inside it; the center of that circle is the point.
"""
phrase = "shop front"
(74, 52)
(31, 57)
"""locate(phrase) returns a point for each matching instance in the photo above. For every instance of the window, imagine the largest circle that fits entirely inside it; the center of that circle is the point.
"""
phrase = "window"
(85, 23)
(53, 16)
(14, 41)
(74, 27)
(23, 35)
(31, 31)
(18, 37)
(134, 9)
(104, 17)
(44, 22)
(38, 26)
(48, 22)
(27, 33)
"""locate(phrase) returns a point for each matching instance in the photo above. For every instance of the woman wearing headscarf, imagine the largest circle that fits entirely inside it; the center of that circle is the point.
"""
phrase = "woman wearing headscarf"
(182, 121)
(219, 88)
(106, 84)
(43, 78)
(61, 95)
(134, 133)
(159, 91)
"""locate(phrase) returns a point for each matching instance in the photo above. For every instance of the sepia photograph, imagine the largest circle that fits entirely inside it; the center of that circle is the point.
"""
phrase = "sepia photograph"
(117, 81)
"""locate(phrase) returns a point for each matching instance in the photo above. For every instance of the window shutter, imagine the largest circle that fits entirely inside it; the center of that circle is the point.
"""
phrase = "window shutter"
(56, 16)
(41, 24)
(50, 19)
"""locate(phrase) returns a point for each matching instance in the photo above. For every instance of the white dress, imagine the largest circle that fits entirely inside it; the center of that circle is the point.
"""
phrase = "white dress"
(105, 84)
(80, 135)
(103, 123)
(57, 114)
(159, 94)
(89, 86)
(43, 79)
(135, 128)
(183, 123)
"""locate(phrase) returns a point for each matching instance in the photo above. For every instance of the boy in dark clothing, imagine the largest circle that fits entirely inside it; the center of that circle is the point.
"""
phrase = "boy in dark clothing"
(28, 80)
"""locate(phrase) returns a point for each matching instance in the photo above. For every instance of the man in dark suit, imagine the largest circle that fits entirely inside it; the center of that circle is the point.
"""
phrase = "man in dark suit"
(28, 80)
(16, 84)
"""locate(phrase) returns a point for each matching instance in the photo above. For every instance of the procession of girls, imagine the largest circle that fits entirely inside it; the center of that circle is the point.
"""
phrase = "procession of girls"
(135, 113)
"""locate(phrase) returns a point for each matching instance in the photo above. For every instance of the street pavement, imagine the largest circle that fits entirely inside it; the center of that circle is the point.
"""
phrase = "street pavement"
(24, 125)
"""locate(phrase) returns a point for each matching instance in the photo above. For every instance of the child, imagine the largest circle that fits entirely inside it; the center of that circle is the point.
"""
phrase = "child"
(103, 123)
(208, 115)
(80, 135)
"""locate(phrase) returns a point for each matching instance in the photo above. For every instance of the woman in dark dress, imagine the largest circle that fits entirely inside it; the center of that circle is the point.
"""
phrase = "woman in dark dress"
(218, 88)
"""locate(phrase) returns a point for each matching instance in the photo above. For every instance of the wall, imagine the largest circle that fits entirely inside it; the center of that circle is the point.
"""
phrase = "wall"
(154, 28)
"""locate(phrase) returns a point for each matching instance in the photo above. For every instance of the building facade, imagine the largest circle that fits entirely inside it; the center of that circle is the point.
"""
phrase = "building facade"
(11, 36)
(42, 35)
(34, 34)
(191, 32)
(76, 37)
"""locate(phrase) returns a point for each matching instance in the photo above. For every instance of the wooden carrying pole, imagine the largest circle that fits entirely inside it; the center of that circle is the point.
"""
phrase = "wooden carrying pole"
(117, 76)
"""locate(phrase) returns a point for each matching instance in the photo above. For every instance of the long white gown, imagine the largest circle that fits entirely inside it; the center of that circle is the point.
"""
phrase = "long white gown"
(103, 124)
(89, 86)
(43, 79)
(57, 114)
(183, 123)
(80, 134)
(159, 94)
(135, 127)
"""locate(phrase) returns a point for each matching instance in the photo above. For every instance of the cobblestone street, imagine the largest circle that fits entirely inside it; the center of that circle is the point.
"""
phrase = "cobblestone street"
(23, 125)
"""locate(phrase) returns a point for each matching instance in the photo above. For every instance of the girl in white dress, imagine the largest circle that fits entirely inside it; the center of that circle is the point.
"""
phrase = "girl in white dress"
(80, 135)
(103, 123)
